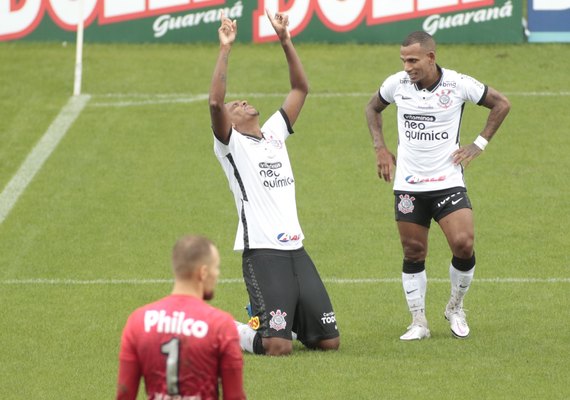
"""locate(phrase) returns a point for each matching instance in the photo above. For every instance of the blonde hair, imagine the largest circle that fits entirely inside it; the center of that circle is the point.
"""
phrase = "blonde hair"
(189, 253)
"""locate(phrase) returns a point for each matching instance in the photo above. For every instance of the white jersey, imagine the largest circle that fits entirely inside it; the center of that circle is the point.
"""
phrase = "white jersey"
(429, 120)
(261, 180)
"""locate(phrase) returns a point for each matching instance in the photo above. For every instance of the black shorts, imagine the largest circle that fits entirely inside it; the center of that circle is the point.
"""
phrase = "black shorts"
(287, 294)
(421, 207)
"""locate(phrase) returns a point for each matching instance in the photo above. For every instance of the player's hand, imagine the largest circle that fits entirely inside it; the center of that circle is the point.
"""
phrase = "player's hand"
(227, 31)
(385, 162)
(464, 155)
(280, 23)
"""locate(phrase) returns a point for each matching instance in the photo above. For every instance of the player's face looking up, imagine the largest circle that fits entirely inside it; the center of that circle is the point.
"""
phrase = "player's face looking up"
(419, 64)
(240, 110)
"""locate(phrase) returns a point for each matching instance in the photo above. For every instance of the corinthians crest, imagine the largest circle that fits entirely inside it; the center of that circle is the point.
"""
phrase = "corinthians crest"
(278, 320)
(406, 204)
(444, 98)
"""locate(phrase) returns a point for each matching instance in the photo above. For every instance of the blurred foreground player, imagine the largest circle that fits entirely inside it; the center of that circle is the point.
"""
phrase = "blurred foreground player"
(180, 345)
(285, 290)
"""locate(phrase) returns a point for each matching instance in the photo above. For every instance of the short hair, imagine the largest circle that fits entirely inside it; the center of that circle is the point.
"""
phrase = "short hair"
(189, 253)
(423, 38)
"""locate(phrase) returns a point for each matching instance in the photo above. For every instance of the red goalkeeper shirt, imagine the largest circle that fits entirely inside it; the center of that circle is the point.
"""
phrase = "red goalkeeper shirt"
(181, 346)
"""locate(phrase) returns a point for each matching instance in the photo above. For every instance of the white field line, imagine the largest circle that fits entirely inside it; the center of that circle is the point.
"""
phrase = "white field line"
(40, 153)
(341, 281)
(151, 100)
(71, 111)
(142, 99)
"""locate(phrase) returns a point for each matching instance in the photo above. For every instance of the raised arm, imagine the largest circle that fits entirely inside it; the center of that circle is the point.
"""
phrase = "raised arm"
(221, 123)
(500, 107)
(385, 160)
(297, 77)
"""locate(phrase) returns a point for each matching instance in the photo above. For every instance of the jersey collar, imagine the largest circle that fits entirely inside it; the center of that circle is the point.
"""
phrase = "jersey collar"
(435, 84)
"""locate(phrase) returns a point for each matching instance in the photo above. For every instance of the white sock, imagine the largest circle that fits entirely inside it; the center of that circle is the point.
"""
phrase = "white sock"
(246, 336)
(415, 286)
(460, 282)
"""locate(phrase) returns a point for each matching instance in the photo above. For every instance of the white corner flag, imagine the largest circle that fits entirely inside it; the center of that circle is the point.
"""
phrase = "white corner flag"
(78, 50)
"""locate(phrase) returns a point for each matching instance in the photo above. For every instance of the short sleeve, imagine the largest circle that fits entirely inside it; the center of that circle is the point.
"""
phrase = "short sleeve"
(388, 89)
(473, 90)
(278, 125)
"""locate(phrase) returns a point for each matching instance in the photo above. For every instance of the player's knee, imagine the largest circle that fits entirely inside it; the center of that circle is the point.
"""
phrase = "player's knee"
(330, 344)
(414, 250)
(277, 346)
(325, 344)
(462, 245)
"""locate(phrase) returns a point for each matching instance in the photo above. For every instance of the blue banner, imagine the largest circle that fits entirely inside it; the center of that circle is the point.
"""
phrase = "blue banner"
(549, 20)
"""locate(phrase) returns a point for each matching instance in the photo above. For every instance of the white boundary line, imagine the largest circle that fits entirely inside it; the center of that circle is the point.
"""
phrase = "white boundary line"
(342, 281)
(40, 153)
(59, 127)
(152, 101)
(142, 99)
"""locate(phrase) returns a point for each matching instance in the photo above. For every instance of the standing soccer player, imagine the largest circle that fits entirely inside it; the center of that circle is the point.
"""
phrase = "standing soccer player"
(180, 345)
(285, 290)
(429, 183)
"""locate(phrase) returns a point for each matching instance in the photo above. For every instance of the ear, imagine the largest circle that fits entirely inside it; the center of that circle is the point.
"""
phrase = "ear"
(203, 272)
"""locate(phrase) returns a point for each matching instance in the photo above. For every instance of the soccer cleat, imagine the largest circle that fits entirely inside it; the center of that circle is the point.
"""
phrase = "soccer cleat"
(418, 330)
(457, 321)
(246, 336)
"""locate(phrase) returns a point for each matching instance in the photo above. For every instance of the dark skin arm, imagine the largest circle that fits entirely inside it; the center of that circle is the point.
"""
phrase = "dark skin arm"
(219, 115)
(385, 160)
(298, 79)
(500, 107)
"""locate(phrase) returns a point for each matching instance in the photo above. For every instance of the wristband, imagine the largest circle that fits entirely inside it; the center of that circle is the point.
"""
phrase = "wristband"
(481, 142)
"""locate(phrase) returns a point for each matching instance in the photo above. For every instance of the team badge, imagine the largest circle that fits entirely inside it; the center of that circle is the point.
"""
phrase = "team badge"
(278, 144)
(272, 145)
(406, 204)
(278, 320)
(254, 323)
(444, 99)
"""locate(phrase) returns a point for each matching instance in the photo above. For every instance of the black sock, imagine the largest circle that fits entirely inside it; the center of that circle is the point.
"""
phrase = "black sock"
(258, 344)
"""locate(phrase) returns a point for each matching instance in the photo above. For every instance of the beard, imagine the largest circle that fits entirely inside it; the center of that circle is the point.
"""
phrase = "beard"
(208, 295)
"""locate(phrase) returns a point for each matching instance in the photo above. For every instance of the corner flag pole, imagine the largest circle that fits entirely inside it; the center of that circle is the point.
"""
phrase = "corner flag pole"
(78, 51)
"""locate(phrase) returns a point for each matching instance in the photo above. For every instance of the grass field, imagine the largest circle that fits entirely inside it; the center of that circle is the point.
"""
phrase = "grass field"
(89, 238)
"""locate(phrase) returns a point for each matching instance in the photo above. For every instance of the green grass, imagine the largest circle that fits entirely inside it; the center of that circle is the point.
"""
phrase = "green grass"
(126, 181)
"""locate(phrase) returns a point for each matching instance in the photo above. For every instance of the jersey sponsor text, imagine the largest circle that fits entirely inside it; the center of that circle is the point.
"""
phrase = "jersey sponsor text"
(417, 131)
(423, 179)
(272, 177)
(177, 324)
(287, 237)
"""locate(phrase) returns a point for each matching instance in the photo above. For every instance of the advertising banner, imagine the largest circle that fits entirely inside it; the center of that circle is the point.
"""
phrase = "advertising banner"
(549, 20)
(356, 21)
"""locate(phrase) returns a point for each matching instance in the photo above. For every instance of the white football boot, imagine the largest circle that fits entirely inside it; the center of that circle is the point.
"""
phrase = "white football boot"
(455, 314)
(418, 330)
